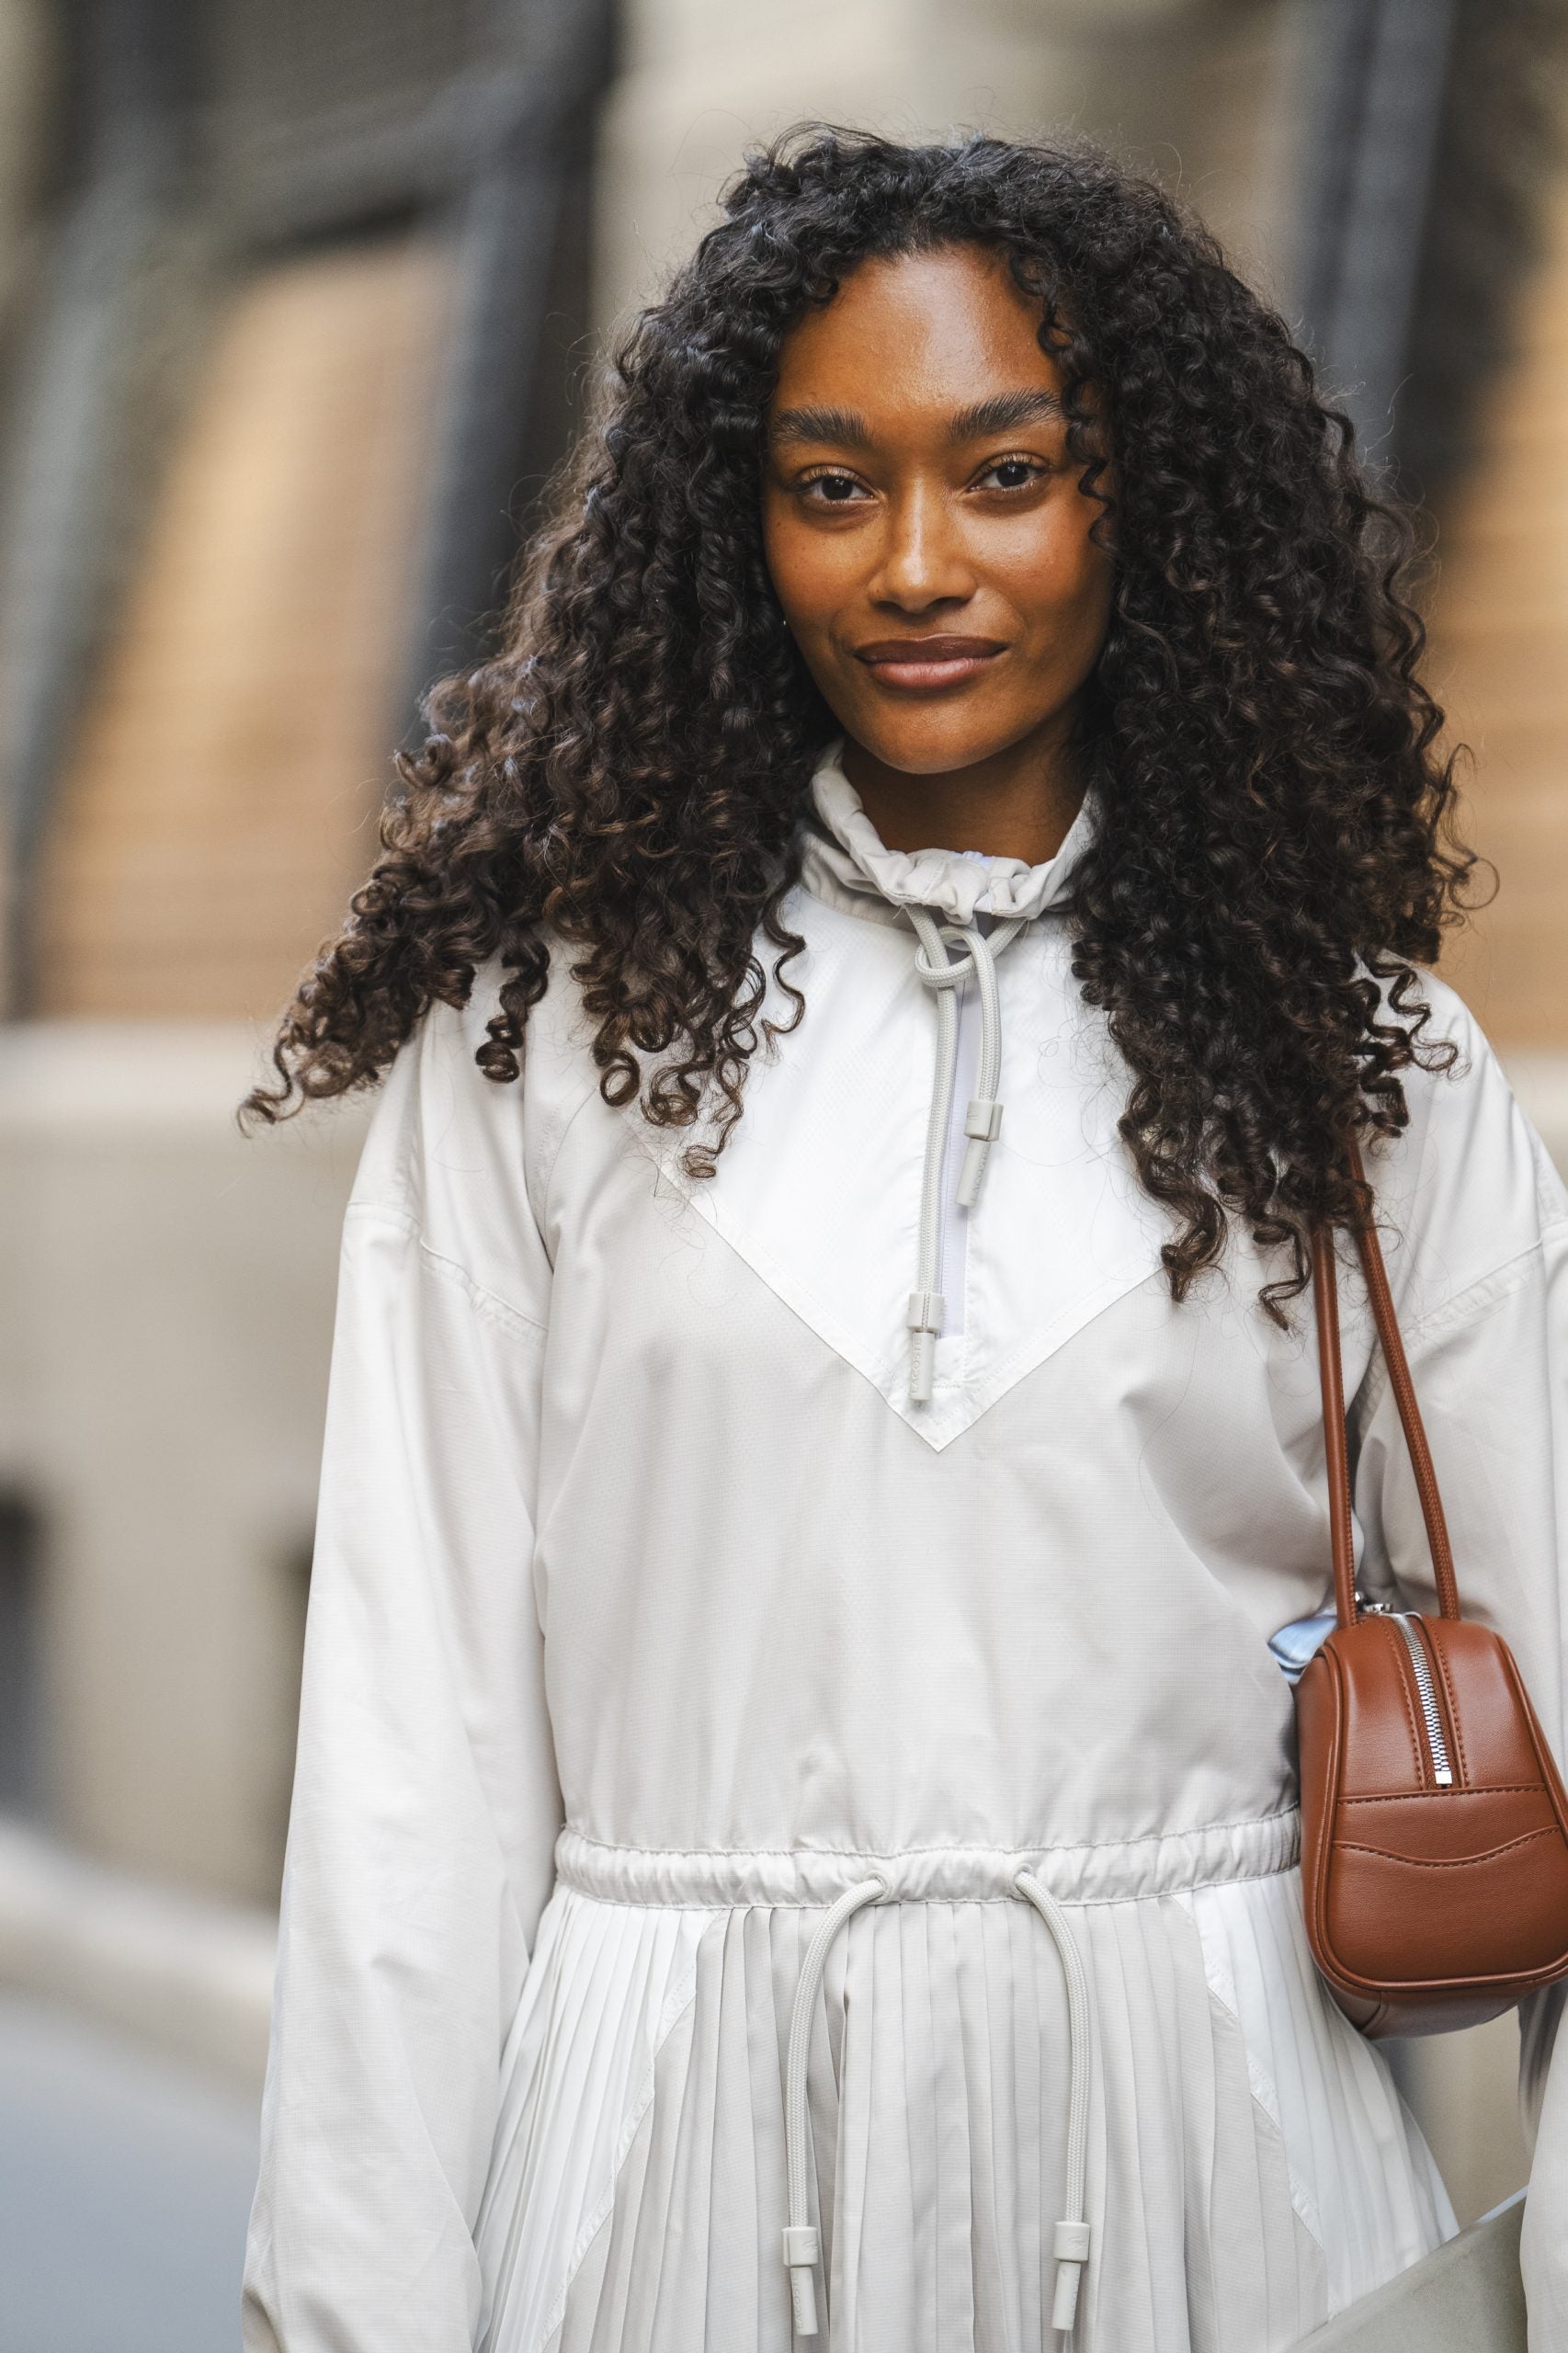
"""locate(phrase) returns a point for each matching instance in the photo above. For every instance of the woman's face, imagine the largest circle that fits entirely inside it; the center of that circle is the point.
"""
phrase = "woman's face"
(924, 526)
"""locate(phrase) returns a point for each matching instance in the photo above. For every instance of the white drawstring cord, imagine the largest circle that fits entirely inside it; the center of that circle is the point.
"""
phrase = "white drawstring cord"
(1071, 2244)
(927, 1305)
(983, 1120)
(803, 2241)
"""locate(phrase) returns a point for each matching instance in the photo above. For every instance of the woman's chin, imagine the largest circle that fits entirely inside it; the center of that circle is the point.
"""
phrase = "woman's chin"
(929, 738)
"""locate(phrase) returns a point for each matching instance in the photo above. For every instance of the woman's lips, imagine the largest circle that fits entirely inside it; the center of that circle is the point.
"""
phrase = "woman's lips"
(927, 663)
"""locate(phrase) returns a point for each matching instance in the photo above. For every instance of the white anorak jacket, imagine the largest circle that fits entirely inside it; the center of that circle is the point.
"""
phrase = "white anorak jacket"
(677, 1670)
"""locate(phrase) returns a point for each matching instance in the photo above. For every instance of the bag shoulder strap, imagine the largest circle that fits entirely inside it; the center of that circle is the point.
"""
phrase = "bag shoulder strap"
(1325, 1293)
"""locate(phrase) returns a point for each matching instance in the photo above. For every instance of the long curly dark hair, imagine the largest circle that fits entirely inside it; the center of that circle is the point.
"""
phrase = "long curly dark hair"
(628, 775)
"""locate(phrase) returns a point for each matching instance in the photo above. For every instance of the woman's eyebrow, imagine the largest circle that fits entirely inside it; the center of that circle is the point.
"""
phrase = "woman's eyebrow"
(1002, 413)
(843, 426)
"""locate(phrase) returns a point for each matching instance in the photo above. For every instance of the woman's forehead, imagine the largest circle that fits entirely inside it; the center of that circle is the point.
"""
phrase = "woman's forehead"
(947, 333)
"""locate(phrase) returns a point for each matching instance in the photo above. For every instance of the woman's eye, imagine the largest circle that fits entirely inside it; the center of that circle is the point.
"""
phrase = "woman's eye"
(832, 490)
(1012, 473)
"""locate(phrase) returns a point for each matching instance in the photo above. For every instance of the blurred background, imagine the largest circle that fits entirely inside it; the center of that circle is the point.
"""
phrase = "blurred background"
(297, 301)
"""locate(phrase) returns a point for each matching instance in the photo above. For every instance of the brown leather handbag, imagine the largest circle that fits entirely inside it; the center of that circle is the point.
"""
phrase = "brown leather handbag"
(1434, 1821)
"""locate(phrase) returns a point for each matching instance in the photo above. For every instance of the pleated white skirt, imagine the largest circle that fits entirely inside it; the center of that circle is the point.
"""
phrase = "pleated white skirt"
(1252, 2169)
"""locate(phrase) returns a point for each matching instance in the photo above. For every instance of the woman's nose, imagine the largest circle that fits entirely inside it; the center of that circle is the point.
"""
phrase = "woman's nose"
(922, 561)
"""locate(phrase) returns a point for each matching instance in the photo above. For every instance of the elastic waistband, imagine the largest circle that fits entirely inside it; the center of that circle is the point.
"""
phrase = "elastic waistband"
(1114, 1872)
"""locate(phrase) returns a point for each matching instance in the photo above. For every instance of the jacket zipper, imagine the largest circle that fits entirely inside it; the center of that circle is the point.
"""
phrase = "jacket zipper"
(1442, 1770)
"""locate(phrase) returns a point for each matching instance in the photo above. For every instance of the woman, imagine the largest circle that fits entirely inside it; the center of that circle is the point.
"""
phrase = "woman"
(795, 1820)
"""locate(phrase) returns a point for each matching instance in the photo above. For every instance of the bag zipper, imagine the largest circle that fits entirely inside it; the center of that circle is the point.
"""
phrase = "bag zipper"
(1442, 1770)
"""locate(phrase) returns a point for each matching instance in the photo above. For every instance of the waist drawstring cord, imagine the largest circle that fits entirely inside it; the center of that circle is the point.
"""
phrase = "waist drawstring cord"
(802, 2240)
(983, 1120)
(1071, 2243)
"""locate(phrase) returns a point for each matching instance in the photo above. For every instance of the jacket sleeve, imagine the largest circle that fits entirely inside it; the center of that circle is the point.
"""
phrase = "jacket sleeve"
(425, 1802)
(1480, 1268)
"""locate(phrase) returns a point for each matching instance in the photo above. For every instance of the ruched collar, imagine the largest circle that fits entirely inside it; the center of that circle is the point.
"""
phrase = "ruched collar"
(846, 862)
